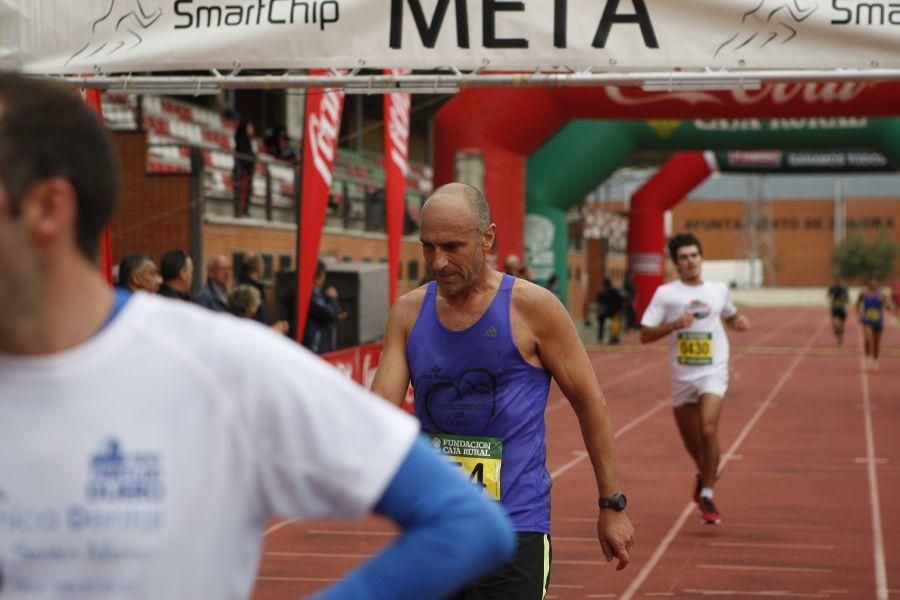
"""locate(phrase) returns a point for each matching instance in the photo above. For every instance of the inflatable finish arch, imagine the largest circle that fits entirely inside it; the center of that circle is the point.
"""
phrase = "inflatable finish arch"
(585, 153)
(507, 125)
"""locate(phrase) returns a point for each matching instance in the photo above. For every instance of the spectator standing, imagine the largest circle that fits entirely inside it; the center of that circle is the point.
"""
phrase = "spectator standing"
(138, 272)
(325, 311)
(244, 165)
(609, 306)
(214, 295)
(243, 301)
(177, 273)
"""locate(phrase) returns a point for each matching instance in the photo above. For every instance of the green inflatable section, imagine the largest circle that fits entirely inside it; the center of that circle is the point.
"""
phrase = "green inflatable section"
(586, 152)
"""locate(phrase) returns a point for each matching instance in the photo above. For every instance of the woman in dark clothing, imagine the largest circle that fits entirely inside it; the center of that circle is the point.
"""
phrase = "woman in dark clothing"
(244, 164)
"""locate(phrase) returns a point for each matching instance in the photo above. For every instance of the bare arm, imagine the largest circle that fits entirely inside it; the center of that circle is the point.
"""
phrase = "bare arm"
(562, 354)
(651, 334)
(392, 377)
(738, 322)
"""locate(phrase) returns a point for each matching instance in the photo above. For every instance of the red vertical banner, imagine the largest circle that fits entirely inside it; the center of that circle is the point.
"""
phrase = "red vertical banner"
(320, 138)
(94, 99)
(396, 165)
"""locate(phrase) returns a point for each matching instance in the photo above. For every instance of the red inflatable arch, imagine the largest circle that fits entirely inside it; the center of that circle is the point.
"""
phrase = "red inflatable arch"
(507, 125)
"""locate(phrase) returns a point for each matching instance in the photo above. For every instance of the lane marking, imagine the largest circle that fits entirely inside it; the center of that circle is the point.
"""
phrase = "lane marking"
(689, 510)
(776, 546)
(771, 568)
(308, 579)
(881, 583)
(866, 460)
(622, 431)
(766, 593)
(349, 532)
(797, 527)
(318, 555)
(278, 526)
(608, 384)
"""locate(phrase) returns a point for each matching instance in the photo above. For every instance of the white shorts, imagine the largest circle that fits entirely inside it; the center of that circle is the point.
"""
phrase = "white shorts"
(689, 392)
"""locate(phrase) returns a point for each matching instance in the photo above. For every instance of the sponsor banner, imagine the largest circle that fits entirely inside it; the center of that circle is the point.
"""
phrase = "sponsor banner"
(360, 364)
(646, 264)
(94, 99)
(320, 137)
(396, 165)
(767, 161)
(122, 36)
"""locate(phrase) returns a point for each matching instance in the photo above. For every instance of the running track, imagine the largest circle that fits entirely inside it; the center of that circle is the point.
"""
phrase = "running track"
(810, 493)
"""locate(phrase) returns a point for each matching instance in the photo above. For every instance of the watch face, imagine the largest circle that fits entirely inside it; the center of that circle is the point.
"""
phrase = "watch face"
(616, 502)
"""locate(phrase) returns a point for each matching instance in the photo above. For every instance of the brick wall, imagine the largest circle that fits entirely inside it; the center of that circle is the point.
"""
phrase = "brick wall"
(801, 231)
(153, 208)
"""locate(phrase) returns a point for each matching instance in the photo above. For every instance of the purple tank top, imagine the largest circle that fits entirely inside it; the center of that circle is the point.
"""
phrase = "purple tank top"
(475, 382)
(873, 309)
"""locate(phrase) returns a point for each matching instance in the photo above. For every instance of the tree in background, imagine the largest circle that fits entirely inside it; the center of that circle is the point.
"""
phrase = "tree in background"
(855, 258)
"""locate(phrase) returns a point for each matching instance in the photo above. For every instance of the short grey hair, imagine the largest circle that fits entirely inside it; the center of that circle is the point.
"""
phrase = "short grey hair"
(477, 202)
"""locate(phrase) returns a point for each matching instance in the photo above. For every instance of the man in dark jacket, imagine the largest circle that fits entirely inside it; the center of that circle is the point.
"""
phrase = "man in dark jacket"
(214, 295)
(325, 311)
(609, 305)
(177, 271)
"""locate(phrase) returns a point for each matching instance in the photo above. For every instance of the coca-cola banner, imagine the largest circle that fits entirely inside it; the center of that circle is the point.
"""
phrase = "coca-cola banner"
(104, 245)
(320, 138)
(124, 36)
(396, 164)
(360, 364)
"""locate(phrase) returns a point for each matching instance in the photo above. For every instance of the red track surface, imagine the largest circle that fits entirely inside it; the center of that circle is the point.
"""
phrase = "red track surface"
(806, 512)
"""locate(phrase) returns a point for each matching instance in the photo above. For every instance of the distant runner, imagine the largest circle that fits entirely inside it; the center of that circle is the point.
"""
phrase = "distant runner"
(839, 299)
(871, 306)
(693, 310)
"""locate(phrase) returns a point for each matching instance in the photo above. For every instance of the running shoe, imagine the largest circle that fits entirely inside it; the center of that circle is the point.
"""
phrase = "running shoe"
(698, 487)
(709, 514)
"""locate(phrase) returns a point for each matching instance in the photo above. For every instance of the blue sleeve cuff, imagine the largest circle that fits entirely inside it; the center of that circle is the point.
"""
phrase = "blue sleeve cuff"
(441, 513)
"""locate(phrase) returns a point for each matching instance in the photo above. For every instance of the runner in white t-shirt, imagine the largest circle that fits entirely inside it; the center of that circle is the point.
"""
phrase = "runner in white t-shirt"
(690, 312)
(145, 442)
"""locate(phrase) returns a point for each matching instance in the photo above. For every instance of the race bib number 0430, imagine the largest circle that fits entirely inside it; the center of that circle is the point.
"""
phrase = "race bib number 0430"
(480, 459)
(695, 348)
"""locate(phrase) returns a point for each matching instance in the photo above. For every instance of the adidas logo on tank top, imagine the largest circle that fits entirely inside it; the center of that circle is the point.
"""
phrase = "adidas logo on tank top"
(491, 332)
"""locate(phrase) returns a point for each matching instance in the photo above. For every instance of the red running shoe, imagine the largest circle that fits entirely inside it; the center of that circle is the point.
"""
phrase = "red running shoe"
(698, 487)
(709, 514)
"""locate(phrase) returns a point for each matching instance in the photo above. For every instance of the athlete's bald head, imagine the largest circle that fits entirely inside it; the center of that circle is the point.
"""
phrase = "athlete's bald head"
(467, 194)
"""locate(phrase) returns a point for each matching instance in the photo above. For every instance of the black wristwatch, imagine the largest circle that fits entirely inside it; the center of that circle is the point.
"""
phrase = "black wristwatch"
(617, 502)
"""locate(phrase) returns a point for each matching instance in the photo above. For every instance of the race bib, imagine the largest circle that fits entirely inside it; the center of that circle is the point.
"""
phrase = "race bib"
(873, 315)
(838, 303)
(695, 348)
(480, 459)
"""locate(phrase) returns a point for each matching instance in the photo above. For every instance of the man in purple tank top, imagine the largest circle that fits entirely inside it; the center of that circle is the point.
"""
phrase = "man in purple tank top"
(479, 348)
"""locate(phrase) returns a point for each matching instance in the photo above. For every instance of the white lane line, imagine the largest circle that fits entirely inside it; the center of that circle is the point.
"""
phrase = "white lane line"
(881, 583)
(309, 579)
(581, 454)
(278, 526)
(764, 593)
(766, 568)
(789, 526)
(318, 555)
(626, 375)
(774, 546)
(657, 555)
(347, 532)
